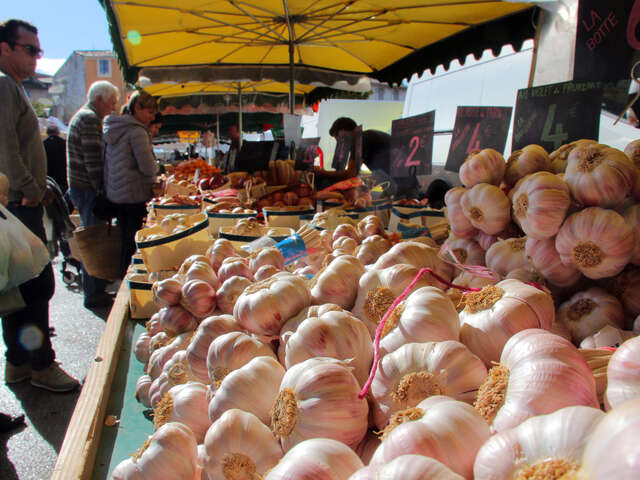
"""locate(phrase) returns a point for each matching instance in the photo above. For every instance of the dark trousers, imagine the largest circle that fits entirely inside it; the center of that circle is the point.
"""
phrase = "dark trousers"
(26, 332)
(130, 217)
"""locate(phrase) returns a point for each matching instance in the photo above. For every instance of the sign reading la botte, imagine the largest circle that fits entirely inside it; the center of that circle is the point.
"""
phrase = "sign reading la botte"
(412, 145)
(306, 153)
(552, 115)
(477, 128)
(607, 39)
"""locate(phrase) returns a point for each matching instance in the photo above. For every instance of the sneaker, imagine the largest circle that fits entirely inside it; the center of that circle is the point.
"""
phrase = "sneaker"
(54, 379)
(16, 373)
(98, 300)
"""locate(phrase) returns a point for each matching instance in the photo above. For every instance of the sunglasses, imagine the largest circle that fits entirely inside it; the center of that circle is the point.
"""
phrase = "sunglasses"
(31, 50)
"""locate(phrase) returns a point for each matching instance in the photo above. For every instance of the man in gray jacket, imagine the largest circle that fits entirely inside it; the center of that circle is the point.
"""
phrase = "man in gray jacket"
(85, 165)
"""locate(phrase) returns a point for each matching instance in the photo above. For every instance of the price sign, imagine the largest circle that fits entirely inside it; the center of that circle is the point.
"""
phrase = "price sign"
(254, 156)
(607, 39)
(477, 128)
(412, 145)
(552, 115)
(343, 149)
(306, 153)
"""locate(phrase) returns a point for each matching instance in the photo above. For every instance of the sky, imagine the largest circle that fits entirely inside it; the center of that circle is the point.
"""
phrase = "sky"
(63, 26)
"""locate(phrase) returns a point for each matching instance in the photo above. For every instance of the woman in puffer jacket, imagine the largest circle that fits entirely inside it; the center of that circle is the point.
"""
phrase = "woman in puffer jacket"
(130, 167)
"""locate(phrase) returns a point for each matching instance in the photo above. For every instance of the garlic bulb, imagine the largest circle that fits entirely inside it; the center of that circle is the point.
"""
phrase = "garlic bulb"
(439, 427)
(233, 266)
(407, 467)
(153, 325)
(201, 270)
(218, 251)
(264, 272)
(467, 251)
(485, 240)
(265, 306)
(170, 453)
(494, 314)
(231, 351)
(539, 373)
(378, 289)
(623, 373)
(266, 256)
(466, 279)
(528, 160)
(460, 225)
(208, 330)
(607, 336)
(319, 399)
(632, 150)
(166, 292)
(371, 248)
(545, 446)
(141, 348)
(229, 291)
(177, 369)
(163, 354)
(426, 315)
(507, 255)
(487, 208)
(239, 446)
(347, 244)
(485, 166)
(559, 157)
(626, 287)
(416, 371)
(598, 175)
(369, 226)
(612, 450)
(198, 298)
(186, 404)
(596, 241)
(142, 390)
(545, 259)
(337, 282)
(334, 334)
(345, 230)
(632, 217)
(316, 459)
(540, 204)
(158, 388)
(587, 312)
(238, 389)
(175, 320)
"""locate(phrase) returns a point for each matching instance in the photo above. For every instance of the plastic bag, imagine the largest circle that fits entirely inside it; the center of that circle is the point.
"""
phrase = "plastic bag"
(23, 255)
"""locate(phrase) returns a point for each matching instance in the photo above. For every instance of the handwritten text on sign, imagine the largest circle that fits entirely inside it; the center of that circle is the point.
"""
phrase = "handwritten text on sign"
(552, 115)
(607, 43)
(477, 128)
(412, 145)
(306, 153)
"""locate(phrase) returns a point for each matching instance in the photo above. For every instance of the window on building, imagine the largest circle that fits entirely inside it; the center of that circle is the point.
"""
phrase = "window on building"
(396, 94)
(104, 68)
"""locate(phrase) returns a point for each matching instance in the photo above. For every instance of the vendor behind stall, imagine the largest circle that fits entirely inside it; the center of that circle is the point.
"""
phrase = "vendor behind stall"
(376, 148)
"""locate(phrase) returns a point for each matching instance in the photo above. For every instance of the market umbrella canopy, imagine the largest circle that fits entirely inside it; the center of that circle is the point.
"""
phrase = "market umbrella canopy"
(327, 41)
(172, 89)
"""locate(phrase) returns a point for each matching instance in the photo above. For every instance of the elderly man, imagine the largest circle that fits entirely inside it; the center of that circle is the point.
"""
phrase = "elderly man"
(22, 158)
(85, 170)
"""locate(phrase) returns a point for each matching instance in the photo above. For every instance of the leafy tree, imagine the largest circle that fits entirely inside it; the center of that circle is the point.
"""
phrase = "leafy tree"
(41, 110)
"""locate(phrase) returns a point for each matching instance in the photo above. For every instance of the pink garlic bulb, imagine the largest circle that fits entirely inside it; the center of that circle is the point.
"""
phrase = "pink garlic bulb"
(153, 324)
(485, 166)
(186, 404)
(171, 453)
(623, 373)
(607, 336)
(540, 204)
(229, 291)
(539, 373)
(345, 243)
(337, 282)
(467, 251)
(370, 225)
(264, 272)
(596, 241)
(234, 266)
(221, 249)
(407, 467)
(141, 348)
(266, 256)
(461, 227)
(198, 298)
(588, 311)
(163, 354)
(346, 230)
(485, 240)
(545, 259)
(505, 256)
(493, 315)
(487, 208)
(143, 384)
(371, 248)
(599, 176)
(559, 157)
(632, 217)
(201, 270)
(158, 388)
(175, 320)
(190, 260)
(526, 161)
(167, 292)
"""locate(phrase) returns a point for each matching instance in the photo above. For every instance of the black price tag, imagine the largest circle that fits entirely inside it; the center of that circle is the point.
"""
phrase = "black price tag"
(607, 39)
(343, 149)
(306, 152)
(477, 128)
(412, 145)
(552, 115)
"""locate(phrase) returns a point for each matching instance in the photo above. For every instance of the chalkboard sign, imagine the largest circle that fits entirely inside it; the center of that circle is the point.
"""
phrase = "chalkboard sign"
(343, 149)
(254, 156)
(412, 145)
(555, 114)
(358, 147)
(477, 128)
(607, 39)
(306, 152)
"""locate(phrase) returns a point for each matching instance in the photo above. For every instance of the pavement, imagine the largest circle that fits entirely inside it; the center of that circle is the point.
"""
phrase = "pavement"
(30, 452)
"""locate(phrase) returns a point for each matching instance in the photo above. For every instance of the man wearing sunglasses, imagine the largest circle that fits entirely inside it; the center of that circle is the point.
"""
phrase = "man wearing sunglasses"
(23, 160)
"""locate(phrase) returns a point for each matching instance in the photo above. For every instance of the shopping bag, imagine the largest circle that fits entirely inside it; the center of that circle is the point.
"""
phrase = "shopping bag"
(22, 254)
(99, 247)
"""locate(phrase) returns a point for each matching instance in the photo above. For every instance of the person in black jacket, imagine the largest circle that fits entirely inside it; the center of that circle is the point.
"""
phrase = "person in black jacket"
(56, 148)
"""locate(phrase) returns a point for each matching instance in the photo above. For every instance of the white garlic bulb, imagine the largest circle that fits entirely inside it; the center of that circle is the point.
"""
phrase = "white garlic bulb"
(407, 467)
(623, 373)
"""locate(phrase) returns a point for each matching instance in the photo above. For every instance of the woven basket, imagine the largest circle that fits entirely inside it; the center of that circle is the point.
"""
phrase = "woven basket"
(99, 247)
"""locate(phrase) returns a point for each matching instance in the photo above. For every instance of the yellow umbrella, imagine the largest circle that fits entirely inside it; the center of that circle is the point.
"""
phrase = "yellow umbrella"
(323, 41)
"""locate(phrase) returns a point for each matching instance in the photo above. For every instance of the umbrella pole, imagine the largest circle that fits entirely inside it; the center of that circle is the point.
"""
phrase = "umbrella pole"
(240, 115)
(292, 98)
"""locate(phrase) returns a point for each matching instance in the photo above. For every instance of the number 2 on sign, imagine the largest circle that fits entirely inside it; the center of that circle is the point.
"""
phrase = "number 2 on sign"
(415, 143)
(557, 138)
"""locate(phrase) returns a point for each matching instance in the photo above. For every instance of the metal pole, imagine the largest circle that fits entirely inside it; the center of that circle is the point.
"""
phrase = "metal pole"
(292, 96)
(240, 115)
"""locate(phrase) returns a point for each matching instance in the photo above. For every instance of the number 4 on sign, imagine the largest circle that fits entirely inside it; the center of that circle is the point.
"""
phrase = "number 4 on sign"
(474, 143)
(557, 138)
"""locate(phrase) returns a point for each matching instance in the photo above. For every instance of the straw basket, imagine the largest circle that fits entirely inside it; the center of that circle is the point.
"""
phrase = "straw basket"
(100, 250)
